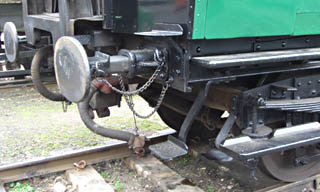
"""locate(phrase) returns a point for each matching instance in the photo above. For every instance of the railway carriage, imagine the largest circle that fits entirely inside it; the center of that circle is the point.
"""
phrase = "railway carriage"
(11, 10)
(193, 60)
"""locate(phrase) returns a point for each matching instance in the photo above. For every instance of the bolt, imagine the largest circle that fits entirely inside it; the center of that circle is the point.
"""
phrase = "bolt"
(258, 47)
(250, 123)
(284, 44)
(284, 92)
(178, 72)
(309, 82)
(319, 81)
(299, 84)
(313, 92)
(260, 101)
(273, 92)
(198, 49)
(260, 121)
(259, 95)
(162, 75)
(307, 40)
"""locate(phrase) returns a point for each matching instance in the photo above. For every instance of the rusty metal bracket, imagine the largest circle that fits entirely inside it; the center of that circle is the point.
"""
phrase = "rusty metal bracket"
(81, 164)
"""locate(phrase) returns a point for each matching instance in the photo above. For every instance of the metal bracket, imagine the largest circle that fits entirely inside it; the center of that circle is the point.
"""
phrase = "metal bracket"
(253, 164)
(225, 130)
(193, 112)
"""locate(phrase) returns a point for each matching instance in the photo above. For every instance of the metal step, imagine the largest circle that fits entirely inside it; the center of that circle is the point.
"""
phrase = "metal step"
(170, 149)
(283, 139)
(233, 60)
(310, 105)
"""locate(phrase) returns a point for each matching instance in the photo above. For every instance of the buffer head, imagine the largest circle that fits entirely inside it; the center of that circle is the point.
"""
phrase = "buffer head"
(11, 41)
(72, 69)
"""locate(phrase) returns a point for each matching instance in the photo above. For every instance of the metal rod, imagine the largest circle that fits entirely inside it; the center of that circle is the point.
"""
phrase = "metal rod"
(193, 112)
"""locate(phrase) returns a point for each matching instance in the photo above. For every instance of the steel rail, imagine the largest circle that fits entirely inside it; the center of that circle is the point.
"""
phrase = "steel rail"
(36, 167)
(311, 184)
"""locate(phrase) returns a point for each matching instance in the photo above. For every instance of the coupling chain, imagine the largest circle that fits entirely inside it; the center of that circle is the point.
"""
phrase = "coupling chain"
(141, 89)
(130, 103)
(128, 94)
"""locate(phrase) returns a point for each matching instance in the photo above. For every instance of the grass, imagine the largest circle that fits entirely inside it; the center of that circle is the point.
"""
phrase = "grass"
(105, 174)
(42, 128)
(210, 189)
(21, 187)
(184, 160)
(118, 186)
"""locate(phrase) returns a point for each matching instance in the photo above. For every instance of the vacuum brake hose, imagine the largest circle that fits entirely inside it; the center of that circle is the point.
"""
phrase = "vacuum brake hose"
(40, 57)
(106, 132)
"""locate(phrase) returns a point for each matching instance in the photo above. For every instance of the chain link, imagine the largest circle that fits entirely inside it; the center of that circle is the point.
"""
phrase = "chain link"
(128, 94)
(155, 109)
(141, 89)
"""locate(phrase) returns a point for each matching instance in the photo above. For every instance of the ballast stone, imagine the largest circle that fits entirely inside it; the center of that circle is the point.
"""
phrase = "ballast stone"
(160, 175)
(88, 179)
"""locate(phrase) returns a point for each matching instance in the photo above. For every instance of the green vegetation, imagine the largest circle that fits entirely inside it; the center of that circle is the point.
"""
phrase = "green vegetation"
(104, 174)
(21, 187)
(118, 185)
(210, 188)
(43, 129)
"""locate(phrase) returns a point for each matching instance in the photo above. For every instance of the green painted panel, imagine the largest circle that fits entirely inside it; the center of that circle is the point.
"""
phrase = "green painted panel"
(244, 18)
(308, 17)
(199, 19)
(219, 19)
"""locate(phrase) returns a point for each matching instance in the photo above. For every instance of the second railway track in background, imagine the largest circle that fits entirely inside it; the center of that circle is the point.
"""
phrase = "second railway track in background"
(119, 150)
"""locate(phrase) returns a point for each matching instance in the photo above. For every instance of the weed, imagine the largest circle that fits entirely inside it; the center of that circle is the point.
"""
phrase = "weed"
(210, 188)
(104, 174)
(118, 185)
(116, 166)
(19, 187)
(237, 184)
(184, 161)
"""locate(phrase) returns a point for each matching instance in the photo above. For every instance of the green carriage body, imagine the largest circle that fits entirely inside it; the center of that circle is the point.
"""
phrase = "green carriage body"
(222, 19)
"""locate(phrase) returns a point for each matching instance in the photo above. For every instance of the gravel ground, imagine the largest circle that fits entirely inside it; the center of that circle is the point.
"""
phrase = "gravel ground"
(204, 176)
(31, 126)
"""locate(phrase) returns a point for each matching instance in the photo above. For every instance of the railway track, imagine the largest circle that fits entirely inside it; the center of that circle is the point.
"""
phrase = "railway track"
(37, 167)
(118, 150)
